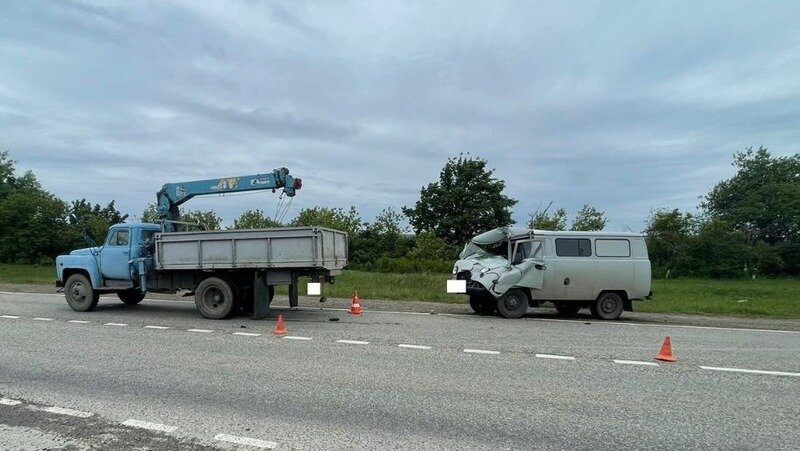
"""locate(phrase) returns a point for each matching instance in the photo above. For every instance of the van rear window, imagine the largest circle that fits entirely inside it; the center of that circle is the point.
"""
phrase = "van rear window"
(573, 247)
(612, 248)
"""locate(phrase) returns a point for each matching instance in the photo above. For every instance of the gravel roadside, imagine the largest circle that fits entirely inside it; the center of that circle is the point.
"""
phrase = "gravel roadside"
(439, 308)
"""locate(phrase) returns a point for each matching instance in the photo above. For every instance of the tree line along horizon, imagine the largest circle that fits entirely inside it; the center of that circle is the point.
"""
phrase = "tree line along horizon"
(748, 225)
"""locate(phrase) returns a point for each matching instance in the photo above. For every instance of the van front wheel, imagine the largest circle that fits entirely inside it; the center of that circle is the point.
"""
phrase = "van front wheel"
(513, 304)
(607, 306)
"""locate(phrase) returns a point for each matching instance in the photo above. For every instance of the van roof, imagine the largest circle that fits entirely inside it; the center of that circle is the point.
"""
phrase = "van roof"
(503, 233)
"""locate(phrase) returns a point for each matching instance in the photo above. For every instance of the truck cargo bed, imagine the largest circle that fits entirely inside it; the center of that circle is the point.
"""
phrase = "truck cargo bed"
(291, 247)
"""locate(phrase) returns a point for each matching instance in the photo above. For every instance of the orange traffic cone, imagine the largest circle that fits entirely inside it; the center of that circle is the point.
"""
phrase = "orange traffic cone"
(280, 328)
(355, 306)
(666, 351)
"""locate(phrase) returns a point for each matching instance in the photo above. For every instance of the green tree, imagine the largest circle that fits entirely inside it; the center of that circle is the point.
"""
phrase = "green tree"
(541, 220)
(668, 238)
(466, 201)
(94, 219)
(150, 213)
(255, 219)
(762, 200)
(589, 219)
(208, 220)
(385, 237)
(334, 218)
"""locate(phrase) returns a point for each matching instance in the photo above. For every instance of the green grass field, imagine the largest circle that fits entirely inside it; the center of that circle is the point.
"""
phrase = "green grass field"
(779, 298)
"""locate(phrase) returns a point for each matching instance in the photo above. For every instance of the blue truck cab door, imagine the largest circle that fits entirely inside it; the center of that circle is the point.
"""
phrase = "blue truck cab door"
(115, 255)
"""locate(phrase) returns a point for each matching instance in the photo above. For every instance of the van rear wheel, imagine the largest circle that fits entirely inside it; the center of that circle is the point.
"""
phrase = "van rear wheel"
(513, 304)
(608, 306)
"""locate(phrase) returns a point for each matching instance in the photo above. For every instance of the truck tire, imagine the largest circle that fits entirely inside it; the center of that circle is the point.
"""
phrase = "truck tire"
(607, 306)
(513, 304)
(567, 309)
(80, 295)
(130, 297)
(215, 298)
(482, 304)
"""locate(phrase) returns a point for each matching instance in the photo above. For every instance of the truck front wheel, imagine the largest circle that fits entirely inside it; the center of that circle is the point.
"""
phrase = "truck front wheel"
(214, 298)
(80, 295)
(513, 304)
(130, 297)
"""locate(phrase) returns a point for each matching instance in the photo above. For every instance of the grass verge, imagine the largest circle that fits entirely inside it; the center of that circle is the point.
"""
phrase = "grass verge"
(779, 298)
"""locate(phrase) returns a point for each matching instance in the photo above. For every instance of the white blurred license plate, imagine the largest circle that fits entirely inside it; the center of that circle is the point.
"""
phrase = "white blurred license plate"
(314, 289)
(456, 286)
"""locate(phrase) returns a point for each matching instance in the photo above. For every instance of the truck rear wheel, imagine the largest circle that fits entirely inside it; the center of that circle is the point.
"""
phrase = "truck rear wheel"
(513, 304)
(567, 309)
(607, 306)
(80, 295)
(214, 298)
(130, 297)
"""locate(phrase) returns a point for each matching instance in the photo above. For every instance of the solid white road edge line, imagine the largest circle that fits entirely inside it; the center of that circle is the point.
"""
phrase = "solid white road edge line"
(78, 321)
(9, 316)
(9, 402)
(462, 315)
(635, 362)
(202, 331)
(742, 370)
(296, 337)
(555, 357)
(70, 412)
(156, 327)
(150, 426)
(247, 334)
(413, 346)
(480, 351)
(245, 441)
(115, 324)
(353, 342)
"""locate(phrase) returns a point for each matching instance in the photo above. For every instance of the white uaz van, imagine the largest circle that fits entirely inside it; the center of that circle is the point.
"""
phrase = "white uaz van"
(509, 269)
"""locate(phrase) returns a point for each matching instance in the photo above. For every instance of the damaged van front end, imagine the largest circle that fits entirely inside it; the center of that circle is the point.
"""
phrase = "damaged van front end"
(500, 267)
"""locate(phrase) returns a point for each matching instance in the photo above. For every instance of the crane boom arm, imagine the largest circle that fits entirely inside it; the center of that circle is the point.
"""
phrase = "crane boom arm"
(172, 195)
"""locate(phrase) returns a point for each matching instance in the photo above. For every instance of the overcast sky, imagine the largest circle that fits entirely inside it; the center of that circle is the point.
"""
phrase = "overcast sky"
(628, 106)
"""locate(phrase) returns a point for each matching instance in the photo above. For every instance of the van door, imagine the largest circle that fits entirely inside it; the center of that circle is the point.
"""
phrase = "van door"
(115, 255)
(575, 269)
(526, 268)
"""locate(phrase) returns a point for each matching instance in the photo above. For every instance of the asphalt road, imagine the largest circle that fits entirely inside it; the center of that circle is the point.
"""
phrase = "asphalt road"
(159, 376)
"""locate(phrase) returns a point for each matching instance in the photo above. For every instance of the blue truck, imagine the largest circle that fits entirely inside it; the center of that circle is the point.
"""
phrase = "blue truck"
(227, 271)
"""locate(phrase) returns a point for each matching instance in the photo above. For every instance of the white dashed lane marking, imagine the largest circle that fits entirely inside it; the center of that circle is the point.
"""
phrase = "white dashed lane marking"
(741, 370)
(156, 327)
(43, 319)
(202, 331)
(555, 357)
(296, 337)
(115, 324)
(247, 334)
(247, 441)
(635, 362)
(9, 402)
(9, 316)
(150, 426)
(77, 321)
(69, 412)
(480, 351)
(413, 346)
(353, 342)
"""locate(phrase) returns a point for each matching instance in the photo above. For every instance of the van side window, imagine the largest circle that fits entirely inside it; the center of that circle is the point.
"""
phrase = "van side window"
(573, 247)
(612, 248)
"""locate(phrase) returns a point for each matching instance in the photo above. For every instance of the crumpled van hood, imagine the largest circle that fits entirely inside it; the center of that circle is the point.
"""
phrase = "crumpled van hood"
(501, 234)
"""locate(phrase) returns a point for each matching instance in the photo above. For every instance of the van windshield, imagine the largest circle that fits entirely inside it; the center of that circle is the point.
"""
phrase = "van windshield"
(480, 251)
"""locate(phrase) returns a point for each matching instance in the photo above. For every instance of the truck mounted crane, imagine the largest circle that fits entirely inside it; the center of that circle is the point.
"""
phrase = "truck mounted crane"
(226, 270)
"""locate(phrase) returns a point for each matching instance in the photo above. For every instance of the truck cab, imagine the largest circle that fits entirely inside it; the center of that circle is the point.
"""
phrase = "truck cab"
(86, 273)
